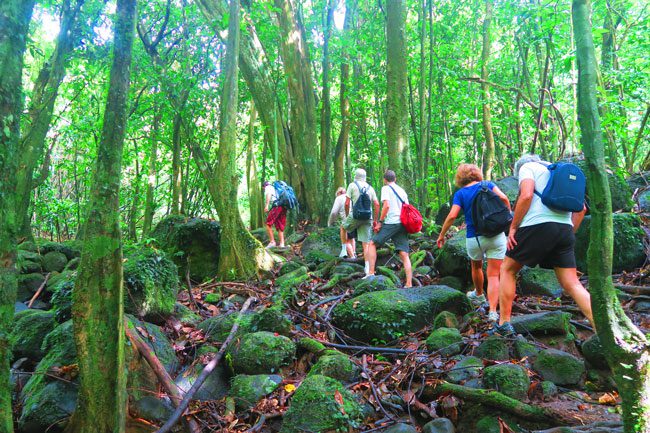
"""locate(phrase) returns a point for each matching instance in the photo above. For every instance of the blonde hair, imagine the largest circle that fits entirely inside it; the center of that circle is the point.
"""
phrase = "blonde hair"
(467, 173)
(340, 190)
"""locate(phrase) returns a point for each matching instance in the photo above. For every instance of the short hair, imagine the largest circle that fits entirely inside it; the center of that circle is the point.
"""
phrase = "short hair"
(360, 175)
(525, 159)
(265, 184)
(467, 173)
(340, 190)
(389, 175)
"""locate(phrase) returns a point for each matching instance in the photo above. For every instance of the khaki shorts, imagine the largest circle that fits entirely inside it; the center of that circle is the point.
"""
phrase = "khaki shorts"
(492, 248)
(363, 228)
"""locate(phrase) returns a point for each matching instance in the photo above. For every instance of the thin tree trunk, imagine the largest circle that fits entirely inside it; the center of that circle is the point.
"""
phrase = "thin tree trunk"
(149, 205)
(344, 133)
(326, 110)
(15, 16)
(626, 349)
(176, 163)
(253, 180)
(422, 172)
(488, 149)
(135, 200)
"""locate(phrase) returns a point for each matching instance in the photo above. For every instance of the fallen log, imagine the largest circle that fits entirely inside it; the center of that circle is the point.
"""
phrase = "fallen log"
(633, 290)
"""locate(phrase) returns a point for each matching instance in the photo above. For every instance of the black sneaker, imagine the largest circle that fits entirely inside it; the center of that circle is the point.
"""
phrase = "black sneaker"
(505, 330)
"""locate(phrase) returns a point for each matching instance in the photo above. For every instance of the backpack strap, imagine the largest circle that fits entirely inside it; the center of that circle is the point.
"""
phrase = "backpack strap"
(400, 198)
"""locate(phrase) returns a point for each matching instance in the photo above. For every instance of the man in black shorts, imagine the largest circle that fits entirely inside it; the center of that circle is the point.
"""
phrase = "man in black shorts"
(539, 236)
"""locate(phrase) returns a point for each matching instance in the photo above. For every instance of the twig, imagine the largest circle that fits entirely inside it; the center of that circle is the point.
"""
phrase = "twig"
(410, 399)
(263, 418)
(362, 349)
(38, 292)
(189, 286)
(205, 373)
(373, 388)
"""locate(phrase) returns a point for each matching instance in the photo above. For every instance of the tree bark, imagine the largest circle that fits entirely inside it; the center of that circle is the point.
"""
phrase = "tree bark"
(344, 100)
(626, 349)
(252, 177)
(488, 149)
(397, 122)
(15, 16)
(149, 205)
(98, 298)
(422, 161)
(176, 162)
(326, 110)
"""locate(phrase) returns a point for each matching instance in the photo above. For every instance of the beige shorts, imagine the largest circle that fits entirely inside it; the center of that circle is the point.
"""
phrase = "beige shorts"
(363, 228)
(492, 248)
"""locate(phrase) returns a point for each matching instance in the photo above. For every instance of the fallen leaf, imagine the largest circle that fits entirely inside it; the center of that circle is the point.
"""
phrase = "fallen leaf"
(290, 387)
(608, 399)
(355, 304)
(339, 399)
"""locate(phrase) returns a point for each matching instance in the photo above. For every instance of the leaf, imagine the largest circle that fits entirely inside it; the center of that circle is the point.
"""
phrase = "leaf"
(339, 399)
(503, 427)
(608, 399)
(289, 387)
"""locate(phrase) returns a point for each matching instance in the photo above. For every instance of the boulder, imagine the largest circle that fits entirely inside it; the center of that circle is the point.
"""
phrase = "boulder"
(27, 246)
(510, 187)
(217, 328)
(49, 409)
(261, 235)
(546, 323)
(494, 348)
(453, 259)
(400, 427)
(293, 278)
(643, 201)
(28, 332)
(316, 258)
(346, 269)
(322, 404)
(152, 409)
(151, 284)
(337, 366)
(509, 379)
(261, 352)
(248, 390)
(192, 242)
(62, 296)
(538, 281)
(467, 368)
(386, 315)
(185, 315)
(593, 351)
(327, 240)
(559, 367)
(71, 248)
(54, 261)
(523, 348)
(271, 319)
(290, 266)
(628, 243)
(639, 180)
(28, 266)
(439, 425)
(446, 341)
(445, 319)
(372, 284)
(620, 190)
(453, 282)
(215, 386)
(28, 285)
(388, 272)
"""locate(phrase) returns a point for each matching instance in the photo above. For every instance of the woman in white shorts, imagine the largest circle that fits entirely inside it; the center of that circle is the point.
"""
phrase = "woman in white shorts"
(468, 178)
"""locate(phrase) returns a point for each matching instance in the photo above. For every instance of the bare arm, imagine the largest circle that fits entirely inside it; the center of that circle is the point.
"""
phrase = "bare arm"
(268, 202)
(347, 205)
(502, 196)
(382, 216)
(526, 192)
(577, 217)
(451, 217)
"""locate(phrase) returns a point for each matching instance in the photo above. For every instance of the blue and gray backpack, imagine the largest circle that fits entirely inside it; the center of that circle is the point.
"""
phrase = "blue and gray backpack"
(565, 190)
(285, 197)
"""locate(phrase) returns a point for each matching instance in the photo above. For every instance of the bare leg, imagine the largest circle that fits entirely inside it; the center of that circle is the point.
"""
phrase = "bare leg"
(281, 236)
(269, 231)
(350, 248)
(343, 234)
(507, 288)
(569, 281)
(477, 276)
(493, 269)
(370, 254)
(406, 260)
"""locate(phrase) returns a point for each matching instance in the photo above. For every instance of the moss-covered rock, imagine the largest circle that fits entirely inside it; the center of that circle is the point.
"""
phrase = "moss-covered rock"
(488, 424)
(62, 296)
(446, 341)
(509, 379)
(547, 323)
(388, 272)
(28, 266)
(293, 278)
(325, 240)
(28, 285)
(467, 368)
(346, 269)
(271, 319)
(290, 266)
(400, 427)
(628, 243)
(151, 284)
(386, 315)
(71, 248)
(185, 315)
(538, 281)
(50, 409)
(54, 261)
(28, 332)
(152, 409)
(593, 351)
(248, 390)
(494, 348)
(453, 259)
(453, 282)
(215, 386)
(316, 407)
(510, 187)
(439, 425)
(261, 352)
(559, 367)
(192, 242)
(27, 246)
(337, 366)
(316, 258)
(445, 319)
(218, 327)
(372, 284)
(72, 264)
(524, 348)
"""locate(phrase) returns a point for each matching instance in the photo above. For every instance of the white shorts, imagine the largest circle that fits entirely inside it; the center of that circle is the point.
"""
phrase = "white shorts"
(492, 248)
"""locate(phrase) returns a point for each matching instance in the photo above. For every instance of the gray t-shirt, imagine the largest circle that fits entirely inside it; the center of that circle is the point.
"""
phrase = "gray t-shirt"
(354, 192)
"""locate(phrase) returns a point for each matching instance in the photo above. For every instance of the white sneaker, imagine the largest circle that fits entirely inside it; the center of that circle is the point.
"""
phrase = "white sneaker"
(343, 253)
(493, 316)
(474, 298)
(366, 268)
(271, 245)
(283, 246)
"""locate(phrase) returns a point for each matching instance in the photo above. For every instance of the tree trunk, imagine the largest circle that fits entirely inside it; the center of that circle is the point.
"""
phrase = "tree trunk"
(326, 110)
(135, 200)
(40, 111)
(422, 172)
(98, 298)
(344, 133)
(15, 16)
(488, 149)
(149, 205)
(253, 181)
(626, 348)
(176, 162)
(397, 122)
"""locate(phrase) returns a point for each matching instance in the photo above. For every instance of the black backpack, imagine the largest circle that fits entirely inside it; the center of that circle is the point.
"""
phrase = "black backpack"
(362, 208)
(490, 215)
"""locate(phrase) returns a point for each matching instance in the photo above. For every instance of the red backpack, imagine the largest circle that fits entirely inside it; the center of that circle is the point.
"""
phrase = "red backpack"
(410, 217)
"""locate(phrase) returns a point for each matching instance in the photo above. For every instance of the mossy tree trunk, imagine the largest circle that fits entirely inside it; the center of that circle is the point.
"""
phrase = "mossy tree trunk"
(15, 16)
(149, 205)
(98, 306)
(626, 348)
(344, 133)
(252, 178)
(488, 149)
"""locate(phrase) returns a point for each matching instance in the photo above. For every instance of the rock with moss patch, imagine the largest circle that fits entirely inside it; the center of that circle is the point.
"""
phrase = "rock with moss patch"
(593, 351)
(325, 240)
(524, 348)
(218, 327)
(445, 319)
(28, 266)
(337, 366)
(248, 390)
(71, 248)
(346, 269)
(509, 379)
(316, 257)
(190, 242)
(62, 296)
(212, 298)
(559, 367)
(451, 281)
(50, 409)
(539, 324)
(488, 424)
(261, 352)
(27, 246)
(271, 319)
(446, 341)
(28, 332)
(453, 259)
(510, 187)
(322, 404)
(467, 368)
(494, 348)
(439, 425)
(388, 272)
(54, 261)
(152, 409)
(290, 266)
(185, 315)
(151, 284)
(628, 243)
(28, 285)
(293, 278)
(538, 281)
(386, 315)
(72, 264)
(372, 284)
(400, 428)
(214, 388)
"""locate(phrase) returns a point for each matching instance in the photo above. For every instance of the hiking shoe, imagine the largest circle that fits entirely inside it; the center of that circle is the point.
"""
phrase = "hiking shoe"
(493, 316)
(475, 299)
(505, 330)
(283, 246)
(271, 245)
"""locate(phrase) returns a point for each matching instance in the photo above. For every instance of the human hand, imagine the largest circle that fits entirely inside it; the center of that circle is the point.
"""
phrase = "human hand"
(266, 209)
(440, 241)
(376, 226)
(512, 242)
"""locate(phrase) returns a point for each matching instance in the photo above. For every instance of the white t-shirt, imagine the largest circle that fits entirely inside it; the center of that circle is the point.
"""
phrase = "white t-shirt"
(538, 212)
(394, 203)
(338, 210)
(269, 195)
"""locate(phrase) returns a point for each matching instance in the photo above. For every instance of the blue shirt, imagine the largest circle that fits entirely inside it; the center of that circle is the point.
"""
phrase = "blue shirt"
(464, 198)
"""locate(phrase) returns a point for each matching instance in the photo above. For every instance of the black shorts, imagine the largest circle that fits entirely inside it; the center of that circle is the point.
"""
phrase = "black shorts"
(352, 234)
(549, 245)
(394, 232)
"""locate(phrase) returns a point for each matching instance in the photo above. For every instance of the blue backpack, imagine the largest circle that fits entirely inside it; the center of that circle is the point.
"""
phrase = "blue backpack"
(286, 198)
(565, 190)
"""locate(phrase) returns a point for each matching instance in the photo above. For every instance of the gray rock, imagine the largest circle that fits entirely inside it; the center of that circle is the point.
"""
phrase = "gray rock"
(28, 285)
(214, 388)
(248, 390)
(439, 425)
(594, 353)
(559, 367)
(539, 324)
(494, 348)
(538, 281)
(524, 348)
(54, 261)
(467, 368)
(372, 284)
(510, 187)
(152, 409)
(445, 319)
(326, 240)
(49, 409)
(400, 428)
(509, 379)
(453, 259)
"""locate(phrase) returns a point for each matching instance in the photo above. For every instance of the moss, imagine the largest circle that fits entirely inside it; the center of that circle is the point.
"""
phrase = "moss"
(594, 352)
(54, 261)
(248, 390)
(28, 332)
(71, 248)
(451, 281)
(185, 315)
(494, 348)
(372, 284)
(318, 257)
(537, 281)
(388, 272)
(509, 379)
(467, 368)
(271, 319)
(446, 341)
(316, 407)
(445, 319)
(488, 424)
(523, 348)
(559, 367)
(326, 240)
(73, 264)
(346, 269)
(62, 298)
(261, 352)
(547, 323)
(337, 366)
(212, 298)
(151, 283)
(27, 246)
(217, 328)
(28, 266)
(50, 409)
(453, 259)
(293, 278)
(290, 266)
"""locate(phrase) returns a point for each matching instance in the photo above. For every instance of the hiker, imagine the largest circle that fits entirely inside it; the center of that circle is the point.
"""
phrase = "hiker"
(539, 236)
(277, 215)
(389, 226)
(361, 206)
(337, 214)
(469, 179)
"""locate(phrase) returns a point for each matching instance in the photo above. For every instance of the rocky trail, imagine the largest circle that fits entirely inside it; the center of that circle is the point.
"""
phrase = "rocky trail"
(320, 349)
